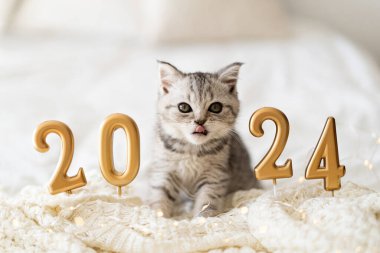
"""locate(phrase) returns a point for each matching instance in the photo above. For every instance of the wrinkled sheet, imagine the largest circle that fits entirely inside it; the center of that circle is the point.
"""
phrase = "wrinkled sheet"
(302, 218)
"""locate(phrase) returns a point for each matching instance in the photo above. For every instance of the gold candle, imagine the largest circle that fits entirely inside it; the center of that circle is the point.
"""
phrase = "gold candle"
(60, 182)
(267, 168)
(326, 152)
(109, 126)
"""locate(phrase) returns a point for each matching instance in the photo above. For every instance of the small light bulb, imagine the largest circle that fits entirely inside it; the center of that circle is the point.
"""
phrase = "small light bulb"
(263, 229)
(160, 213)
(79, 221)
(244, 210)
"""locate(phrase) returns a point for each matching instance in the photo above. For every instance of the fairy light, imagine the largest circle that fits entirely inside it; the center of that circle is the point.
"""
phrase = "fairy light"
(201, 220)
(369, 162)
(79, 221)
(227, 240)
(301, 179)
(244, 210)
(15, 223)
(263, 229)
(159, 213)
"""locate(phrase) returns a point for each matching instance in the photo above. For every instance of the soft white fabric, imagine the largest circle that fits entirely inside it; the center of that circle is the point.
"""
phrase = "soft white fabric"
(200, 20)
(309, 77)
(153, 20)
(303, 218)
(5, 11)
(116, 18)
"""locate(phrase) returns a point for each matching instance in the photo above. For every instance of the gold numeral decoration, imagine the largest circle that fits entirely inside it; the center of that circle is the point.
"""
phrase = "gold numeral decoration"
(326, 153)
(109, 126)
(60, 182)
(267, 168)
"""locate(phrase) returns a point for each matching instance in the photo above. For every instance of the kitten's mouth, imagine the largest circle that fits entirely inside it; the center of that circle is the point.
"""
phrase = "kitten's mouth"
(200, 130)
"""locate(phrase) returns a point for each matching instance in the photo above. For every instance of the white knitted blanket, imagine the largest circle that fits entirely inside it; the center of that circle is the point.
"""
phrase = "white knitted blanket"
(303, 218)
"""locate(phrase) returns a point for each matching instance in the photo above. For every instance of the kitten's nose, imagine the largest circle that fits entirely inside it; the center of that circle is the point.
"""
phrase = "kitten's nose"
(200, 121)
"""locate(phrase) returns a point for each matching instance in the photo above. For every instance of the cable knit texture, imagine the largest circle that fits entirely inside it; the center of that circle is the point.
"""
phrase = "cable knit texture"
(303, 218)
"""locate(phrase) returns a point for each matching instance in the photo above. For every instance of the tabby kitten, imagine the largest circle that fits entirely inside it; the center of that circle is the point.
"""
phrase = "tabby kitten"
(197, 152)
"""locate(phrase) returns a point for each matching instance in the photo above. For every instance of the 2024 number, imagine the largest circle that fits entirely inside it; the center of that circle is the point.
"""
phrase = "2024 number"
(325, 153)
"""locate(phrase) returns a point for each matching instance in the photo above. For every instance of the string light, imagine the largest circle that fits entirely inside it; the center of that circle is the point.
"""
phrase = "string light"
(369, 162)
(244, 210)
(263, 229)
(159, 213)
(15, 223)
(227, 240)
(79, 221)
(201, 220)
(301, 179)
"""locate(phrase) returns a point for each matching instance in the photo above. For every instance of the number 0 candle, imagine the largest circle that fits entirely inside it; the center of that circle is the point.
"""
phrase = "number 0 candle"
(109, 126)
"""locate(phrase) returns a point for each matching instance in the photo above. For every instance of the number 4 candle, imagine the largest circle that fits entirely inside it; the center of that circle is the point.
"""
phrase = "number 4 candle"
(326, 152)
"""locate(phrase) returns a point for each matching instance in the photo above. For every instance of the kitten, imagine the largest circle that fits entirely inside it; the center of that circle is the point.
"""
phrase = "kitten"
(197, 152)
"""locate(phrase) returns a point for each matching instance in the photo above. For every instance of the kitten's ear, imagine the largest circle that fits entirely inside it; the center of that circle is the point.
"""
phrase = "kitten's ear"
(229, 75)
(168, 75)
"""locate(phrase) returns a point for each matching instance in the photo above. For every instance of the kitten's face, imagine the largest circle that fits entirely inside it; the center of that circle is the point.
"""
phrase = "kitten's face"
(198, 107)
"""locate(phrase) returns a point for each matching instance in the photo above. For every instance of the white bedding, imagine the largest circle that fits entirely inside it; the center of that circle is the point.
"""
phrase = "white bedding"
(310, 76)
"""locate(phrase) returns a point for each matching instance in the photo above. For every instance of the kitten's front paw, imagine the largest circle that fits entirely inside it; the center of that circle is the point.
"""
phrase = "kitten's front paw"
(208, 213)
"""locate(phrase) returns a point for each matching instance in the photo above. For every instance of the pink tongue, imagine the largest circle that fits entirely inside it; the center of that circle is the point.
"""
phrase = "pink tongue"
(200, 129)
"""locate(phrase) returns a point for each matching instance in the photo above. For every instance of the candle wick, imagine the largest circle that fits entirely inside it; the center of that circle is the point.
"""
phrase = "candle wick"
(274, 188)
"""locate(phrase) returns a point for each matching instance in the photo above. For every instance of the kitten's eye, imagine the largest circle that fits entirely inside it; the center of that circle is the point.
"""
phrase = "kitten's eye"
(215, 107)
(184, 108)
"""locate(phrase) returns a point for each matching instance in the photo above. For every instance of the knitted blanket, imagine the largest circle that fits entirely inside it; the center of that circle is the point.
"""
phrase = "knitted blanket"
(302, 218)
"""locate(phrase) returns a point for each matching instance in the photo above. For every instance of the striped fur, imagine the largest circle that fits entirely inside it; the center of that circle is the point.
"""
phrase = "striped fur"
(203, 168)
